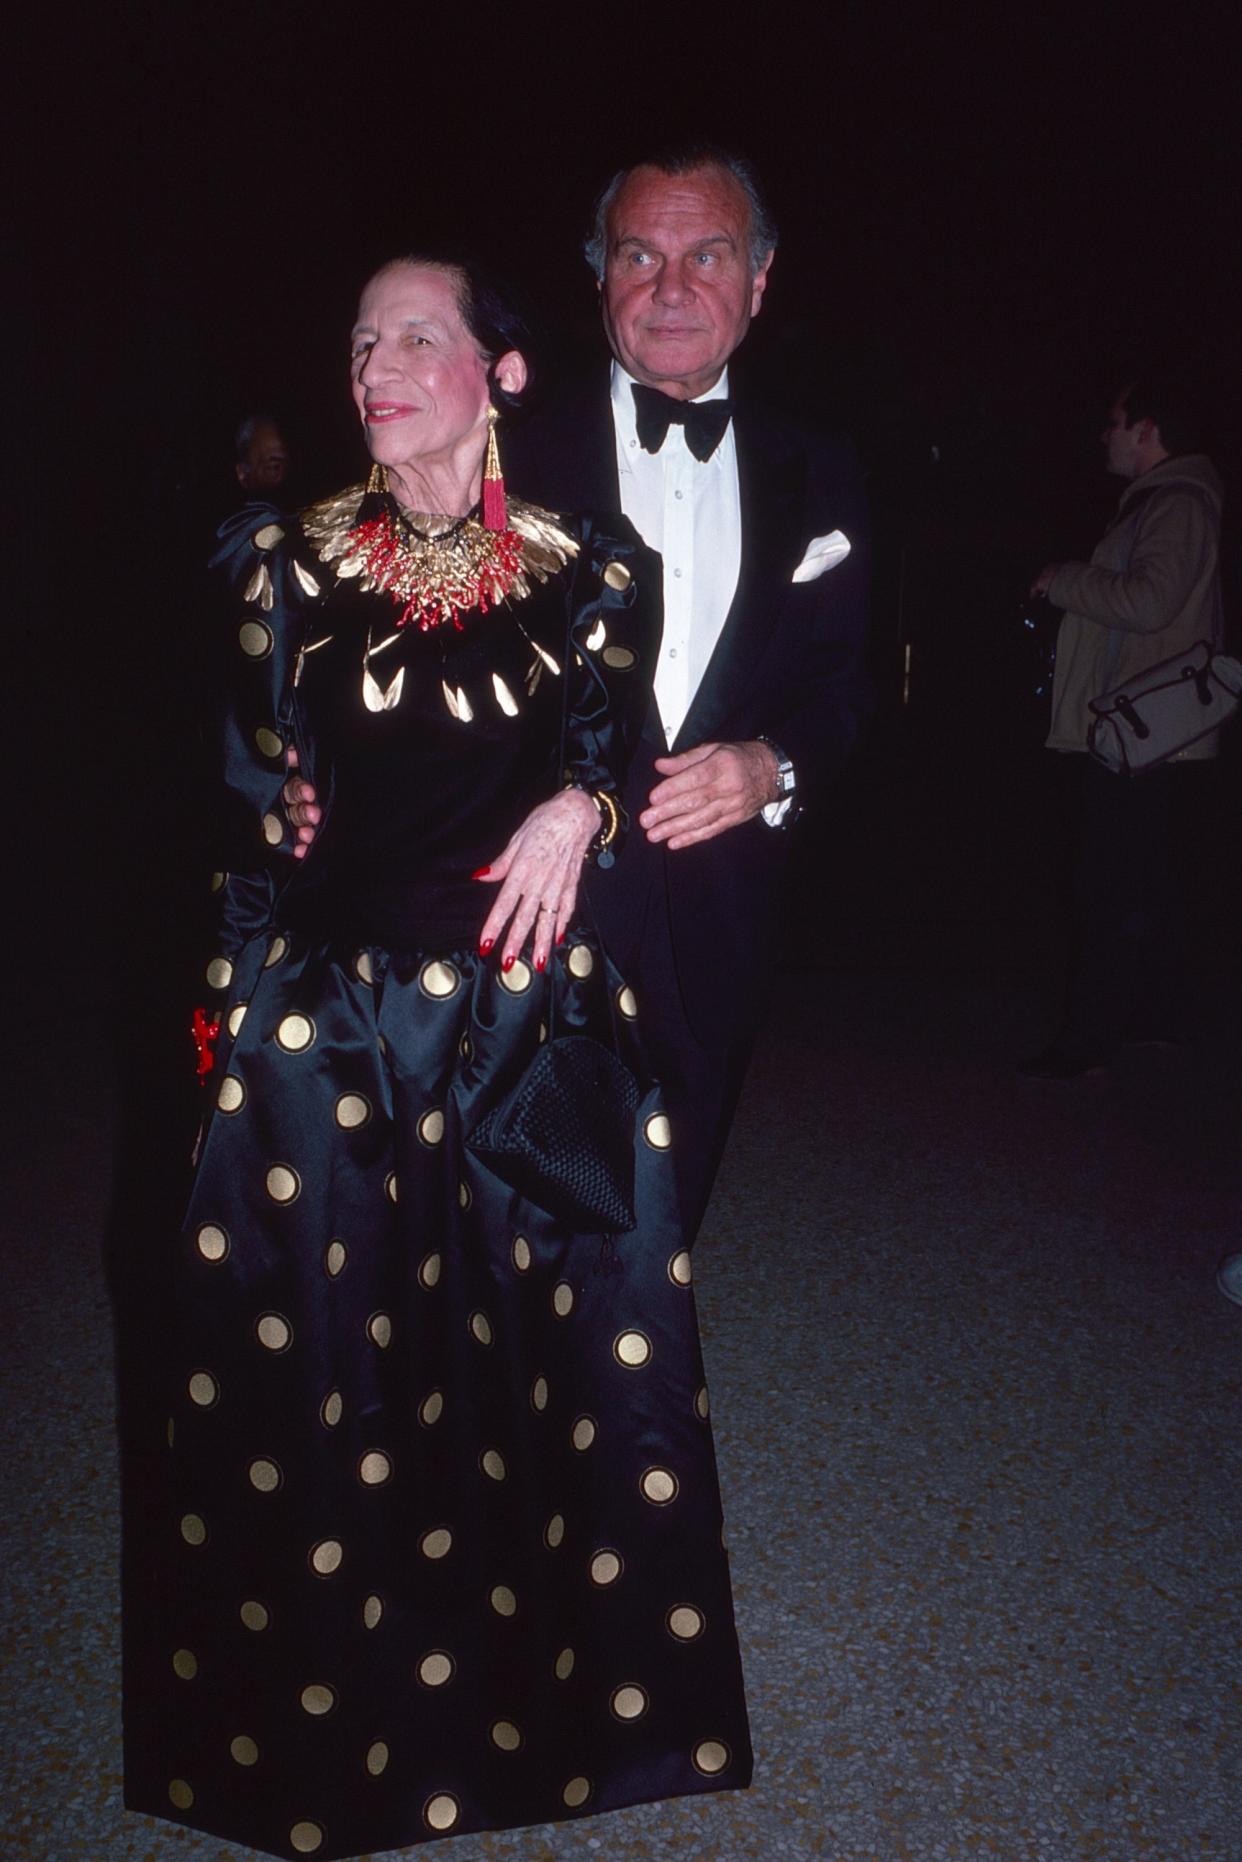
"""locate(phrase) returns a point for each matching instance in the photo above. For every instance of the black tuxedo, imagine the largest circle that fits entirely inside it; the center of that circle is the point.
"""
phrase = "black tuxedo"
(697, 928)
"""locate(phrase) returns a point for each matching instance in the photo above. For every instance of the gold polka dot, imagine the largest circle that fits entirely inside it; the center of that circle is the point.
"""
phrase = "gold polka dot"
(583, 1433)
(193, 1529)
(254, 639)
(218, 881)
(502, 1600)
(437, 1543)
(390, 1186)
(680, 1270)
(554, 1531)
(243, 1750)
(364, 968)
(627, 1002)
(232, 1094)
(377, 1757)
(481, 1327)
(562, 1299)
(539, 1393)
(617, 575)
(185, 1664)
(518, 977)
(219, 973)
(295, 1034)
(203, 1389)
(353, 1110)
(331, 1409)
(180, 1794)
(273, 830)
(269, 742)
(441, 1812)
(629, 1702)
(275, 951)
(492, 1463)
(465, 1047)
(429, 1270)
(439, 980)
(265, 1475)
(372, 1611)
(658, 1132)
(576, 1793)
(563, 1666)
(237, 1015)
(659, 1485)
(580, 960)
(274, 1332)
(379, 1330)
(620, 658)
(318, 1698)
(283, 1184)
(685, 1622)
(431, 1408)
(255, 1615)
(268, 537)
(710, 1756)
(606, 1567)
(306, 1837)
(633, 1349)
(520, 1252)
(463, 1195)
(431, 1126)
(374, 1468)
(436, 1668)
(211, 1242)
(702, 1403)
(327, 1557)
(334, 1257)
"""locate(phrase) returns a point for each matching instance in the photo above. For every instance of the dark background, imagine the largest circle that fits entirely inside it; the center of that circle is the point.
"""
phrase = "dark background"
(988, 220)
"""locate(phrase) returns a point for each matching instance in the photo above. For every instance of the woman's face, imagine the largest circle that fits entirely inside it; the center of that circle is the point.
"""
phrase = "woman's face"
(419, 382)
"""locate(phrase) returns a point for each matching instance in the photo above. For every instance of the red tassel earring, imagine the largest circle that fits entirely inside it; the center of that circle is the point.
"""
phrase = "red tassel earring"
(495, 516)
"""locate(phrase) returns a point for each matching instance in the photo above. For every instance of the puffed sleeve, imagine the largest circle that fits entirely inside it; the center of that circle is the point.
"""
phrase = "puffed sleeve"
(269, 594)
(616, 600)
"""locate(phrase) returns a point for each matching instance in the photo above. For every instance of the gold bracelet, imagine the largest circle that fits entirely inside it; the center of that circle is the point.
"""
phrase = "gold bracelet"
(610, 819)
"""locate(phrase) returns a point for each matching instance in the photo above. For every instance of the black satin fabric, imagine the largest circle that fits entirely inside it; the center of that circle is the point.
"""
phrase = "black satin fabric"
(436, 1544)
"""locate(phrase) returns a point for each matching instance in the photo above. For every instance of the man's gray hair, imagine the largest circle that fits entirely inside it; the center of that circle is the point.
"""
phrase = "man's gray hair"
(685, 161)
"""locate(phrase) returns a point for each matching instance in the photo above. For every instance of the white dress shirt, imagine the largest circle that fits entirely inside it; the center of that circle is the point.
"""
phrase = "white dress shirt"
(690, 510)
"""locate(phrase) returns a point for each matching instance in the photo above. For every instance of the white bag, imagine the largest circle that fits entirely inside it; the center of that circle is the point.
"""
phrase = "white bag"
(1164, 709)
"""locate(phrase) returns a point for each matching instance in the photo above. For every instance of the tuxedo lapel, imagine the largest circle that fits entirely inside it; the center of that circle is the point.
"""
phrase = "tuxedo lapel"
(772, 496)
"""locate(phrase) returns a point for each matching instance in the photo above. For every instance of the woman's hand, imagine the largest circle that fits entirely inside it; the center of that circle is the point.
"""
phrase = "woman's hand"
(538, 875)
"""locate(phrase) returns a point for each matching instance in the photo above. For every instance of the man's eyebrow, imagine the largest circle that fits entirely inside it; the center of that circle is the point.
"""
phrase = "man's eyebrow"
(710, 239)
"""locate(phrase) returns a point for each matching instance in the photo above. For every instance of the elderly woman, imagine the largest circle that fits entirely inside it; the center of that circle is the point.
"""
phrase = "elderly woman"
(436, 1545)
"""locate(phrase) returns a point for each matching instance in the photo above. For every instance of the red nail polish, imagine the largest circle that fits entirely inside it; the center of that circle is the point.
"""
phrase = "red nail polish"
(508, 963)
(560, 937)
(541, 964)
(481, 872)
(485, 948)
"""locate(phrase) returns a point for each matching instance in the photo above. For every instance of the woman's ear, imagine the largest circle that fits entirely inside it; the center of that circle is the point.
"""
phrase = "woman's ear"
(510, 372)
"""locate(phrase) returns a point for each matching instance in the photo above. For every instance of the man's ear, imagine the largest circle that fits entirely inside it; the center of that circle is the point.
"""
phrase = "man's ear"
(759, 282)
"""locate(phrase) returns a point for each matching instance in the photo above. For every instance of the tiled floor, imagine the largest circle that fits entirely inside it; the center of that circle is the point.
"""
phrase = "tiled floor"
(977, 1409)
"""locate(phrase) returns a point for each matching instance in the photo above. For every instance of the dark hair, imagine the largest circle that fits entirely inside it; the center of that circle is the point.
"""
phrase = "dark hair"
(494, 311)
(244, 436)
(686, 159)
(1176, 404)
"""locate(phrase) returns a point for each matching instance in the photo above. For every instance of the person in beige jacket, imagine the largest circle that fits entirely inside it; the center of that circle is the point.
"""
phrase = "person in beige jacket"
(1151, 589)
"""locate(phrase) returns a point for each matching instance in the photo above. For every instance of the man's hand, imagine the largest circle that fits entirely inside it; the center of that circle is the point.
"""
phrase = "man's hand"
(1043, 581)
(708, 790)
(300, 806)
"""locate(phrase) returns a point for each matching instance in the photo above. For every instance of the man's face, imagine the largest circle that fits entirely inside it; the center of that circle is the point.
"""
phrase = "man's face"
(678, 291)
(267, 460)
(1122, 443)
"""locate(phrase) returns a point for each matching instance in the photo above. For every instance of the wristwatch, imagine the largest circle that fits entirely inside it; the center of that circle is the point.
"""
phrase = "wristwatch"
(786, 781)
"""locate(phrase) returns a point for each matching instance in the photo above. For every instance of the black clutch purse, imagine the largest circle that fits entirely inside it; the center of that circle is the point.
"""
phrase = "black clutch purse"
(563, 1137)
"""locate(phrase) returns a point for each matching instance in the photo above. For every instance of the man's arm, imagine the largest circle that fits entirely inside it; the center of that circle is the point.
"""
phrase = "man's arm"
(1176, 543)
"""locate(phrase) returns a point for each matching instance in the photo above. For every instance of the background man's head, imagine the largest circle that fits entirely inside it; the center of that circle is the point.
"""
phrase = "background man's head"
(681, 248)
(1150, 420)
(262, 456)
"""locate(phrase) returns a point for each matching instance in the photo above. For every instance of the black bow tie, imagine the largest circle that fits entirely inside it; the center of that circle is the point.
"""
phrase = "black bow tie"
(704, 421)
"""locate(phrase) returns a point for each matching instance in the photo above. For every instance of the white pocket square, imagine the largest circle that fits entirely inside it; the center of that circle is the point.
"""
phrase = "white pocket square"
(822, 553)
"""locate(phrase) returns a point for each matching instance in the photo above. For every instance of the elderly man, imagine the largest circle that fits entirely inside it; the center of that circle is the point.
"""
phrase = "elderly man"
(759, 688)
(1151, 590)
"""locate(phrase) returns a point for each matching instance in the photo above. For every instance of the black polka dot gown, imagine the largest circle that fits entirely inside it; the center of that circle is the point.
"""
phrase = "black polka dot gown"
(436, 1544)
